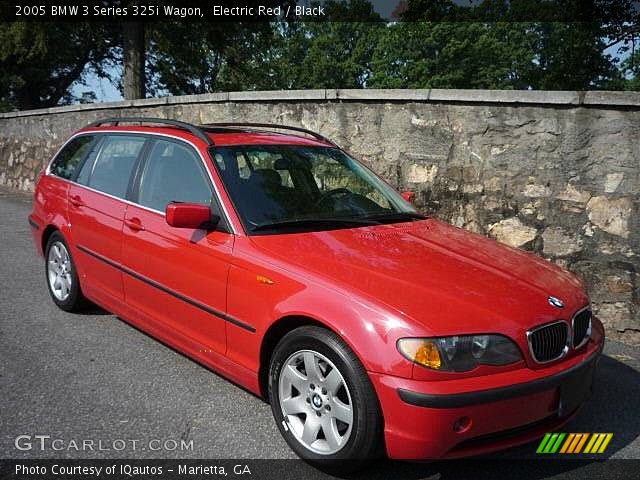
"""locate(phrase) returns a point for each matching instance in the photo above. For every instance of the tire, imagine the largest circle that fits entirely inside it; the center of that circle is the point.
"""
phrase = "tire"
(61, 276)
(305, 405)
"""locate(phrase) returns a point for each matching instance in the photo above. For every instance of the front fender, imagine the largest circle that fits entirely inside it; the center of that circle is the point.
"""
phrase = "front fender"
(262, 294)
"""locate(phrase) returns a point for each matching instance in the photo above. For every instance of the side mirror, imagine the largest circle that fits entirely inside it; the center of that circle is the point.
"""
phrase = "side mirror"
(408, 196)
(190, 215)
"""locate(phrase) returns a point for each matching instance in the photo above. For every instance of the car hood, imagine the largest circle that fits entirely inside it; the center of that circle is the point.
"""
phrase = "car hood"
(446, 279)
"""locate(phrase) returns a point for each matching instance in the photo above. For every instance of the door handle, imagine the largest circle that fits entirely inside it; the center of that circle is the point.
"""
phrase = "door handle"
(76, 201)
(134, 224)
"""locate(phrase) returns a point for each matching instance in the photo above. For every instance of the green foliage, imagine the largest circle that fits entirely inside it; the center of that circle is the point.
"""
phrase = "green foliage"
(451, 55)
(569, 57)
(537, 44)
(191, 57)
(631, 72)
(497, 44)
(40, 61)
(332, 54)
(249, 56)
(209, 57)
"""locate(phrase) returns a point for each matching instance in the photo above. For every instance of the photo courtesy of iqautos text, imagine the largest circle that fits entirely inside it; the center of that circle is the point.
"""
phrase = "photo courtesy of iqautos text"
(320, 239)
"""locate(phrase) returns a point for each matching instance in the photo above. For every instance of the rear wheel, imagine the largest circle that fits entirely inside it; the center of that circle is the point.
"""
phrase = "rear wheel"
(323, 401)
(62, 278)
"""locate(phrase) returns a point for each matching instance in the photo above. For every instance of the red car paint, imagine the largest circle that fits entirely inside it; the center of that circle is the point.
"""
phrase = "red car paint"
(371, 285)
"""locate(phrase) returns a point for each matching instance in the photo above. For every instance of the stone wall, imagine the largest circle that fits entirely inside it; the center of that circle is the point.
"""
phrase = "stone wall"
(553, 172)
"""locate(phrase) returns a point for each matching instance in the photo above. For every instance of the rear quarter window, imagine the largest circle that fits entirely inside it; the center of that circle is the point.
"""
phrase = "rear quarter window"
(68, 159)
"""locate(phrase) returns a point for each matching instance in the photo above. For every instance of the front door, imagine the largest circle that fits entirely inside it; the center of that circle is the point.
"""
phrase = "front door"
(178, 276)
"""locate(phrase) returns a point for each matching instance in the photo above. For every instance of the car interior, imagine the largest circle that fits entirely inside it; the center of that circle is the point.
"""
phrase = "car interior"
(271, 186)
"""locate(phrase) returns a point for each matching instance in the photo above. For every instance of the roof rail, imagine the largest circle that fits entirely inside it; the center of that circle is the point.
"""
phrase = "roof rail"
(231, 125)
(193, 129)
(200, 130)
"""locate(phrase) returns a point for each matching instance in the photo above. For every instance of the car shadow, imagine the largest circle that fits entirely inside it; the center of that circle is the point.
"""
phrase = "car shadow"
(609, 410)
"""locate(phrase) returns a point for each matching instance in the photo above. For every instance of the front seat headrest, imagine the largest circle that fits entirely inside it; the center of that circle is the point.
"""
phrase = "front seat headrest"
(267, 177)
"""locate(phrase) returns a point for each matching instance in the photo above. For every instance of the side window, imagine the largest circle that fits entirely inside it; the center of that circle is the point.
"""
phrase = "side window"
(64, 165)
(114, 163)
(87, 166)
(173, 173)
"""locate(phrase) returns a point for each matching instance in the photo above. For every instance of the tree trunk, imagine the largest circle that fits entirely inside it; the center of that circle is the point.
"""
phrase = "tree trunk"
(134, 54)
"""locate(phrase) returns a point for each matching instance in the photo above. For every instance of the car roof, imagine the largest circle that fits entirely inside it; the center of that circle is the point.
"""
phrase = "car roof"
(219, 136)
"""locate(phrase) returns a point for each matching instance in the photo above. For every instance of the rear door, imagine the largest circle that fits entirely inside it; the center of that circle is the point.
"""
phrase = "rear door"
(178, 276)
(51, 198)
(96, 212)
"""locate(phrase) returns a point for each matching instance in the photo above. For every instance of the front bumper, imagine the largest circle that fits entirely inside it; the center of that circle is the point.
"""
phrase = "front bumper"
(501, 410)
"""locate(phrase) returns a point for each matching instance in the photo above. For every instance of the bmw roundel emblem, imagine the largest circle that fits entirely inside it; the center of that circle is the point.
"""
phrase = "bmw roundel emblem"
(555, 302)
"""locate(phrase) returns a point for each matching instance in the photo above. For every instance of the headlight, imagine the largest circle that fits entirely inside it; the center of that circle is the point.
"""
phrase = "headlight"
(459, 353)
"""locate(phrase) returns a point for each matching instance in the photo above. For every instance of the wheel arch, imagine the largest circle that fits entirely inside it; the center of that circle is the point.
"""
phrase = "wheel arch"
(46, 235)
(272, 336)
(276, 331)
(285, 324)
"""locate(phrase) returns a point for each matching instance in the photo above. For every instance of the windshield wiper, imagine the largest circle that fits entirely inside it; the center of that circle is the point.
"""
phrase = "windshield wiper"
(314, 222)
(395, 216)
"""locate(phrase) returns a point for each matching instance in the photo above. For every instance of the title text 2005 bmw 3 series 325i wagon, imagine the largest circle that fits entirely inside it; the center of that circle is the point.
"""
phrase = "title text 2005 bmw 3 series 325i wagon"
(271, 256)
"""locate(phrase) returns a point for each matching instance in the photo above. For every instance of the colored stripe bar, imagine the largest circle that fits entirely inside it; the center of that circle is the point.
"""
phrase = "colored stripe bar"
(550, 443)
(574, 444)
(606, 441)
(581, 442)
(592, 440)
(596, 446)
(556, 445)
(567, 442)
(543, 442)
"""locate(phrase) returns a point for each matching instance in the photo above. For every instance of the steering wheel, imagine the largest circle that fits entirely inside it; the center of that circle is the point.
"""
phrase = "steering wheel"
(331, 193)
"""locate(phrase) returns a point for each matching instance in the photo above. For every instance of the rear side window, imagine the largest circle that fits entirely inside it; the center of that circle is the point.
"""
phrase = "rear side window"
(66, 162)
(173, 173)
(111, 170)
(87, 166)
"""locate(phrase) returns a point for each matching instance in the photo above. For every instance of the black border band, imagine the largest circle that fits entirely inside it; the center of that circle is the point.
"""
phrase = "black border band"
(33, 224)
(494, 394)
(164, 289)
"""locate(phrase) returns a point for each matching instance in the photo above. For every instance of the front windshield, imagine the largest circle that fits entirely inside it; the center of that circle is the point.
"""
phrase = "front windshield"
(276, 187)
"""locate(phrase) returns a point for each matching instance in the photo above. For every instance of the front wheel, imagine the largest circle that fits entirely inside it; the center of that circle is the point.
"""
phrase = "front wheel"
(323, 401)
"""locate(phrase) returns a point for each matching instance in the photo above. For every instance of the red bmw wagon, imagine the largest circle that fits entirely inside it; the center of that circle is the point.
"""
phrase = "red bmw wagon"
(269, 255)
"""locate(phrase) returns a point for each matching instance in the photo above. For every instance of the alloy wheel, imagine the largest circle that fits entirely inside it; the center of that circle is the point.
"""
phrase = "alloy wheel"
(59, 271)
(316, 402)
